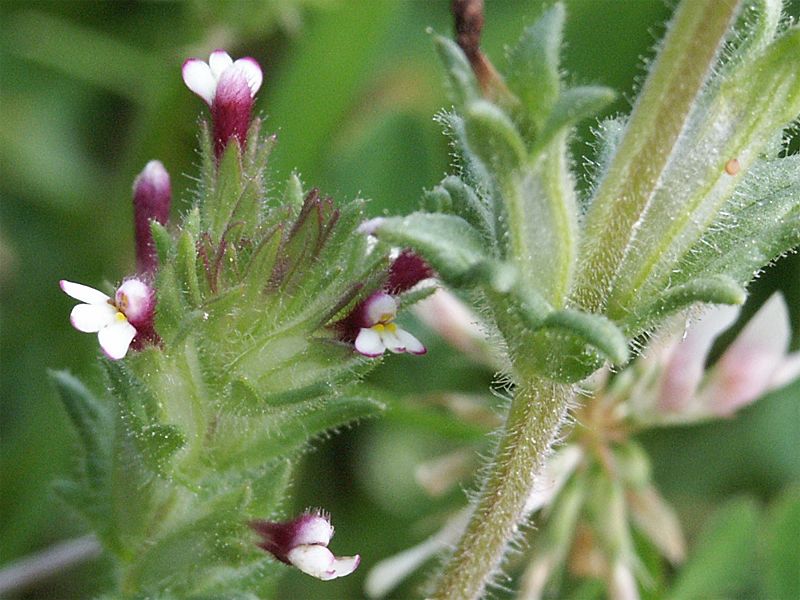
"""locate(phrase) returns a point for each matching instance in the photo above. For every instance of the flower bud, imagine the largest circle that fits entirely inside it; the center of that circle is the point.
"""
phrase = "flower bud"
(152, 195)
(303, 543)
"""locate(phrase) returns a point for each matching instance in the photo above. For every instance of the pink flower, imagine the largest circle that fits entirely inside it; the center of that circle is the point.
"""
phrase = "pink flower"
(116, 321)
(755, 363)
(228, 87)
(303, 543)
(152, 196)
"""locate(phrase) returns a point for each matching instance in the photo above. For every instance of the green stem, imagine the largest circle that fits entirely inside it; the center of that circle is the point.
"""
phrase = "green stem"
(533, 422)
(680, 71)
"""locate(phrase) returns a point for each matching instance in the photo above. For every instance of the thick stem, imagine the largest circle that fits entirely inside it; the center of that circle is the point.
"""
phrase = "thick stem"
(533, 423)
(680, 71)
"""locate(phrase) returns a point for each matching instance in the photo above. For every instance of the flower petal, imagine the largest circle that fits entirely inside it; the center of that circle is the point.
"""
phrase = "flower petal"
(312, 528)
(198, 77)
(319, 562)
(314, 560)
(91, 318)
(135, 299)
(379, 307)
(411, 344)
(252, 72)
(219, 62)
(369, 343)
(392, 342)
(84, 293)
(116, 338)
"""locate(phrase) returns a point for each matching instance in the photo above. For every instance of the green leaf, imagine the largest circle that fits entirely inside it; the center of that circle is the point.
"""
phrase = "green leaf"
(450, 244)
(594, 330)
(462, 85)
(293, 195)
(91, 420)
(782, 572)
(474, 208)
(573, 106)
(723, 562)
(493, 139)
(218, 207)
(719, 289)
(533, 73)
(157, 442)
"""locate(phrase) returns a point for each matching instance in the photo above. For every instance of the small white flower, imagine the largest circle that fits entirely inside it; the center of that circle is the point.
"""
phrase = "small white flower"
(379, 331)
(111, 318)
(203, 77)
(303, 543)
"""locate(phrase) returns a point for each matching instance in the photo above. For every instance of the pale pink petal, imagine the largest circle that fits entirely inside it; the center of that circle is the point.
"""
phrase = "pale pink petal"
(623, 583)
(344, 565)
(198, 77)
(686, 363)
(91, 318)
(252, 73)
(379, 307)
(219, 62)
(411, 344)
(788, 371)
(84, 293)
(744, 371)
(314, 529)
(116, 338)
(369, 343)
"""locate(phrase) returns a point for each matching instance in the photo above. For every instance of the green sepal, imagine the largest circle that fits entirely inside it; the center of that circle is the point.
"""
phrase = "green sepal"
(573, 106)
(533, 71)
(171, 308)
(242, 398)
(413, 296)
(293, 195)
(462, 85)
(592, 329)
(219, 205)
(186, 269)
(493, 139)
(162, 240)
(450, 244)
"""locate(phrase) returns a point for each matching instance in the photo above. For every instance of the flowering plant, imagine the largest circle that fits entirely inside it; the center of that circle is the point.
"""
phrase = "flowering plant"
(251, 318)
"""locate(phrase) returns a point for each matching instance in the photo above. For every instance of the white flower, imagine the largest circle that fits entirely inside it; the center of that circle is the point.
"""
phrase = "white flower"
(303, 543)
(379, 332)
(112, 319)
(203, 78)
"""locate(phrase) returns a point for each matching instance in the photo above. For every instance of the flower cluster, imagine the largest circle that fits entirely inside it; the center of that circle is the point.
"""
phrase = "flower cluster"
(303, 543)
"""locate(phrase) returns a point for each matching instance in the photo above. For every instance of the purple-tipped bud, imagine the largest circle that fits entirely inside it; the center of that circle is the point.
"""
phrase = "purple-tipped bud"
(231, 110)
(228, 87)
(152, 195)
(303, 543)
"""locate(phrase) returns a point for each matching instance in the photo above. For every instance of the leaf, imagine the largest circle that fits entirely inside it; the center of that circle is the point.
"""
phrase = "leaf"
(573, 106)
(462, 85)
(723, 562)
(493, 139)
(218, 207)
(470, 206)
(719, 289)
(533, 72)
(450, 244)
(162, 241)
(186, 269)
(594, 330)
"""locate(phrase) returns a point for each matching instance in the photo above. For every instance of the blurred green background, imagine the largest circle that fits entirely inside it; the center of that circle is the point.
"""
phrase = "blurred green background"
(90, 91)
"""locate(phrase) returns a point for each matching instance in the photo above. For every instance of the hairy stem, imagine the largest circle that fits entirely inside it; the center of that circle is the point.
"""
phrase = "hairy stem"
(678, 75)
(533, 422)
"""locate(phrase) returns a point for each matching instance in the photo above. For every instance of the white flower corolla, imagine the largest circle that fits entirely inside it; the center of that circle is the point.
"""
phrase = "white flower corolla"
(303, 543)
(203, 78)
(379, 332)
(113, 320)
